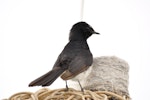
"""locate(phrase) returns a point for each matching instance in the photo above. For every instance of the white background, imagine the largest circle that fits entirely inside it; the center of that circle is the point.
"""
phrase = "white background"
(34, 32)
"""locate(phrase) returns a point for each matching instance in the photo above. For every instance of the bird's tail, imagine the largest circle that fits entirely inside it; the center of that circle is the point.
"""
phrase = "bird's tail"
(48, 78)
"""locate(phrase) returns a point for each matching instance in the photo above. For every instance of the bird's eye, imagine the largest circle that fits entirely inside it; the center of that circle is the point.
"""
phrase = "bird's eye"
(90, 29)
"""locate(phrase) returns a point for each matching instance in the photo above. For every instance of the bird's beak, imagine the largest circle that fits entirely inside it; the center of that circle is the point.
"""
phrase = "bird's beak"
(96, 33)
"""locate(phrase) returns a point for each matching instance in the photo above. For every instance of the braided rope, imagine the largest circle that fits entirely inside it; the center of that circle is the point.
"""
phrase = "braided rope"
(63, 94)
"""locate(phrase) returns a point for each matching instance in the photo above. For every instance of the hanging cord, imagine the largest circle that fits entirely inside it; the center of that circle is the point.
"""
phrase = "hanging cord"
(82, 10)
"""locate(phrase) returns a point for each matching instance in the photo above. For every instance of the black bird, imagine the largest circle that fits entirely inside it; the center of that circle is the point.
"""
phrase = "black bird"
(74, 59)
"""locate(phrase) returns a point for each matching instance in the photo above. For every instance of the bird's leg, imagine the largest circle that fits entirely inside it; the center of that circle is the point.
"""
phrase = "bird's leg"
(81, 86)
(66, 86)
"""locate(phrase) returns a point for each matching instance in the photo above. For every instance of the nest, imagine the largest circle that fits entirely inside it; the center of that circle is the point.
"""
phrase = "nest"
(63, 94)
(107, 73)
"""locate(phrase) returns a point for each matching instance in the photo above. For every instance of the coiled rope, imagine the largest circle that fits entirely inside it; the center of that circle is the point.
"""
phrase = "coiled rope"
(63, 94)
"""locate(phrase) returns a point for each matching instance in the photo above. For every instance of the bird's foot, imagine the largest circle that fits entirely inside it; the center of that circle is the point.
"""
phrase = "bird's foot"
(82, 90)
(67, 89)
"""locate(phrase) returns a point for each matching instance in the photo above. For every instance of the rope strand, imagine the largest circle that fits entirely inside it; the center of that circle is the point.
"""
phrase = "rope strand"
(82, 10)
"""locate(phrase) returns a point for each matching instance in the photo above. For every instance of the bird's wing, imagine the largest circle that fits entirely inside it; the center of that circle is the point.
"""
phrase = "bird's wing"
(79, 64)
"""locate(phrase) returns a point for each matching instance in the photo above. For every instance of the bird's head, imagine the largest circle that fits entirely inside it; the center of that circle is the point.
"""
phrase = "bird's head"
(81, 30)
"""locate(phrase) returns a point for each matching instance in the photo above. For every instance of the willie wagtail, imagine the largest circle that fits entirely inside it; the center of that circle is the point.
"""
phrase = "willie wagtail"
(75, 58)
